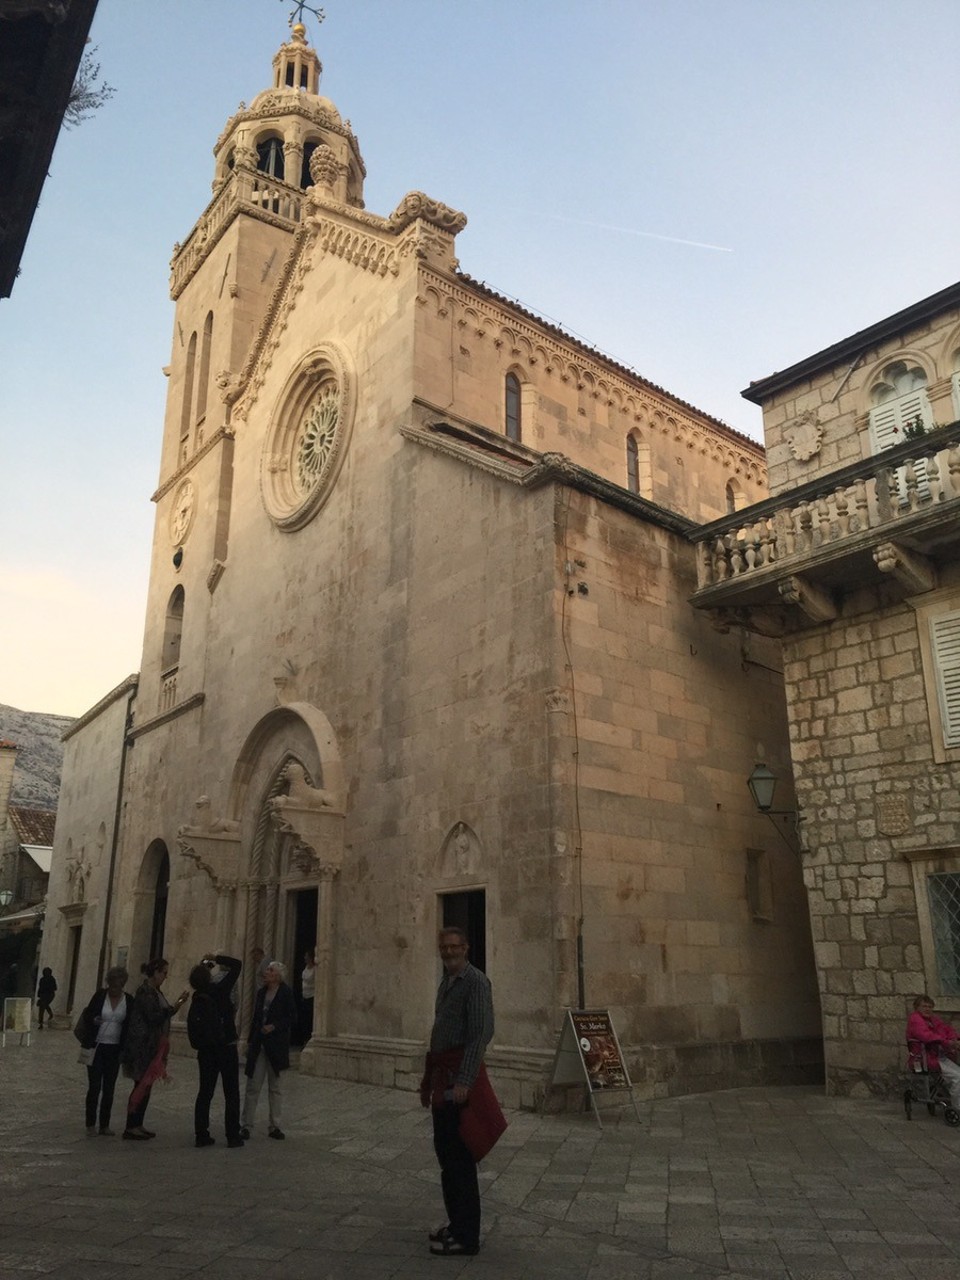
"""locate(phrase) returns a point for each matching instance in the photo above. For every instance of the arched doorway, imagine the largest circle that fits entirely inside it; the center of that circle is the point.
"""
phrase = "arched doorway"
(150, 906)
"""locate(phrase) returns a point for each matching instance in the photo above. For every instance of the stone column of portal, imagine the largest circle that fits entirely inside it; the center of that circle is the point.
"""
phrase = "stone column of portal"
(251, 894)
(323, 1021)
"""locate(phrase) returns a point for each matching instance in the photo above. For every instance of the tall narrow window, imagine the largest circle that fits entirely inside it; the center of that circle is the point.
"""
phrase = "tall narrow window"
(736, 498)
(187, 405)
(204, 376)
(633, 465)
(270, 157)
(512, 406)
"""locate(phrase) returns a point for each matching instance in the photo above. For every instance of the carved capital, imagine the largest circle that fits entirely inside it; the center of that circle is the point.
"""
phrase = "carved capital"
(415, 204)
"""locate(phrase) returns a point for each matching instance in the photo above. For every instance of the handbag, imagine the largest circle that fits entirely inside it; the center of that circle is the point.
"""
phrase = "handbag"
(83, 1028)
(85, 1056)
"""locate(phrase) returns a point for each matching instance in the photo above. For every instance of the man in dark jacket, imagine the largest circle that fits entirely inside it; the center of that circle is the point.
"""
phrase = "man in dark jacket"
(462, 1029)
(213, 1033)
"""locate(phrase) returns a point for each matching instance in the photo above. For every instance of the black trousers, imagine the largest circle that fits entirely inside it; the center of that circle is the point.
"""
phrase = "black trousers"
(102, 1079)
(458, 1176)
(221, 1063)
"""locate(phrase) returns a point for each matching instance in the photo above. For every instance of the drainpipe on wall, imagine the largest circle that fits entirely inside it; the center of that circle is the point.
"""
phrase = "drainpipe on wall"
(118, 809)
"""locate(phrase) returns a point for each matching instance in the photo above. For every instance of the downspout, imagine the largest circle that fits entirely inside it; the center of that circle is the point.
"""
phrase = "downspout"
(118, 809)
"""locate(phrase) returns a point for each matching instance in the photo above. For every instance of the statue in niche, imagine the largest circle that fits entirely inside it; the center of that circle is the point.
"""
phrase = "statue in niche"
(461, 852)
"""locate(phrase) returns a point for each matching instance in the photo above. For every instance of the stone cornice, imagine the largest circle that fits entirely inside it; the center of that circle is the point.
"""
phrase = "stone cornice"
(188, 704)
(125, 687)
(489, 452)
(539, 344)
(221, 433)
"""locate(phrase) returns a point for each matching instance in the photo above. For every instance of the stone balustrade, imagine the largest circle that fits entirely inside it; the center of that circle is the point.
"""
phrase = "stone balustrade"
(907, 485)
(245, 188)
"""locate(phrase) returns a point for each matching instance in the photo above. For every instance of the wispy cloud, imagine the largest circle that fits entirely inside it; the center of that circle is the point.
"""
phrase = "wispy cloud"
(632, 231)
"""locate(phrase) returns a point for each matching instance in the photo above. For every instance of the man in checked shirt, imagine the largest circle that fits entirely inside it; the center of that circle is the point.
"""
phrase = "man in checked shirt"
(462, 1029)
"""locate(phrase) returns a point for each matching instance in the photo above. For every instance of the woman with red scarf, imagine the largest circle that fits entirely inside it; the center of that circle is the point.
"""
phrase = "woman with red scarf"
(147, 1044)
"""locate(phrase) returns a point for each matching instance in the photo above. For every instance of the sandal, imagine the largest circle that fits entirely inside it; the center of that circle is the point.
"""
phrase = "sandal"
(450, 1248)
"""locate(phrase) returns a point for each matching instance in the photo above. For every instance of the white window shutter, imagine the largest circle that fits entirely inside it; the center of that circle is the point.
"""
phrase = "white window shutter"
(945, 639)
(883, 426)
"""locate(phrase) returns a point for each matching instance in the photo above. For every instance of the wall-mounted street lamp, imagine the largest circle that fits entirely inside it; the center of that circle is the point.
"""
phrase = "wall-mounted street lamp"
(6, 897)
(763, 783)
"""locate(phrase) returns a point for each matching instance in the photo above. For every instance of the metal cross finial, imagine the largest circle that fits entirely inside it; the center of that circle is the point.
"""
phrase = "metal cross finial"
(296, 13)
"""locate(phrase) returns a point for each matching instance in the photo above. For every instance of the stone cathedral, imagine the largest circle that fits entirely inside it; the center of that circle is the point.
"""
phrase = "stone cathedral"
(419, 650)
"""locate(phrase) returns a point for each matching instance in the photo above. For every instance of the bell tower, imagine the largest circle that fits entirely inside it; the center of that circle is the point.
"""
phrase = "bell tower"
(223, 276)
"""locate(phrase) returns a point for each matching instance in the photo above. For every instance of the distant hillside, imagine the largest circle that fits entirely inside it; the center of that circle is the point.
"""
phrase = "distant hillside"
(36, 778)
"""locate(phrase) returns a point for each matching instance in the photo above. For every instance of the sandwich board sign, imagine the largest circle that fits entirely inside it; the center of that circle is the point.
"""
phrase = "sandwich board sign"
(16, 1018)
(589, 1053)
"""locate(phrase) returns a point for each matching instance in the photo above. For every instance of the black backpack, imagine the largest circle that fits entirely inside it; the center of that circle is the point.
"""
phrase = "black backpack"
(204, 1024)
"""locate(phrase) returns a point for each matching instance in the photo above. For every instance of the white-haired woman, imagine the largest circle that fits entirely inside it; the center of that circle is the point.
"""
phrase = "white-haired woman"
(268, 1048)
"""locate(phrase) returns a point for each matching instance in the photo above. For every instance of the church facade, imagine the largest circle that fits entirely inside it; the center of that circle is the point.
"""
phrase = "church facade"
(418, 651)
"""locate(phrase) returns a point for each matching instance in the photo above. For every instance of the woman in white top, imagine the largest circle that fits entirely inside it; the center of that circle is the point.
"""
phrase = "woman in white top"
(106, 1019)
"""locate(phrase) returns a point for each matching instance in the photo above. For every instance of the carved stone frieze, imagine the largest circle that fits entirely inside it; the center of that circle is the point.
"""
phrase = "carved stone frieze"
(212, 843)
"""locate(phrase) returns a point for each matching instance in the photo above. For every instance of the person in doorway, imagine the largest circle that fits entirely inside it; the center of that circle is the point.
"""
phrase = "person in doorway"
(308, 980)
(260, 963)
(213, 1033)
(268, 1048)
(462, 1029)
(930, 1036)
(46, 990)
(107, 1019)
(144, 1053)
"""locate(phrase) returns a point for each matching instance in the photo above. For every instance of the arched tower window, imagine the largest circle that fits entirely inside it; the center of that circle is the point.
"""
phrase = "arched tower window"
(173, 630)
(204, 376)
(188, 372)
(956, 384)
(512, 407)
(270, 157)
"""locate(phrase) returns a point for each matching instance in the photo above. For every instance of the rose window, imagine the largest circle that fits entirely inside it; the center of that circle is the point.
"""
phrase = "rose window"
(308, 437)
(317, 441)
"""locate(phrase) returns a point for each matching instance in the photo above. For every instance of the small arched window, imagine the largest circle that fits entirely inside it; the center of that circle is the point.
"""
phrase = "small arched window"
(187, 406)
(899, 400)
(736, 498)
(204, 376)
(633, 465)
(512, 407)
(172, 631)
(270, 157)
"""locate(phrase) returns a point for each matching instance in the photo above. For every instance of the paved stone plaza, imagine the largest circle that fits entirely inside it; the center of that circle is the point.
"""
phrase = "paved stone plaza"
(755, 1182)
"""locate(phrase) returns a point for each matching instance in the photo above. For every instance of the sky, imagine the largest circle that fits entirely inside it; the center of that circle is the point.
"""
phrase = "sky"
(706, 190)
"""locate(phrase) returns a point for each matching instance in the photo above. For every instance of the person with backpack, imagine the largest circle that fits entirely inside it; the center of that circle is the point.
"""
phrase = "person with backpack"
(213, 1033)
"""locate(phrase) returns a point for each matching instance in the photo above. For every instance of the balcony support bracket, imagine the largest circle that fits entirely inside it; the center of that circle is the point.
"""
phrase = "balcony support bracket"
(912, 570)
(812, 601)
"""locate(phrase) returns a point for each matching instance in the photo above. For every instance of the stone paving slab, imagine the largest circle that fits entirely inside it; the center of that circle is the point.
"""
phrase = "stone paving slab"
(747, 1183)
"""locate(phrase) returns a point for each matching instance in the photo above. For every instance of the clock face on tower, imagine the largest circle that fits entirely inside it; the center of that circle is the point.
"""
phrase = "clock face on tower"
(182, 512)
(308, 437)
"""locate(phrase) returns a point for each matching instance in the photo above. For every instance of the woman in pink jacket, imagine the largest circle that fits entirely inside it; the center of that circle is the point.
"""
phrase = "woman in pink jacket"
(926, 1031)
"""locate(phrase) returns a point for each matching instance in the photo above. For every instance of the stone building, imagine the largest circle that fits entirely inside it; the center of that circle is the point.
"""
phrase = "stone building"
(418, 650)
(852, 561)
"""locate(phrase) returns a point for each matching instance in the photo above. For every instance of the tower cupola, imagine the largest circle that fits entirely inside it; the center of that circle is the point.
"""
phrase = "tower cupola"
(296, 65)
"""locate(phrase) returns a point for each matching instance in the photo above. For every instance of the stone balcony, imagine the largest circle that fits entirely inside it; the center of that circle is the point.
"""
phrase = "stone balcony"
(787, 563)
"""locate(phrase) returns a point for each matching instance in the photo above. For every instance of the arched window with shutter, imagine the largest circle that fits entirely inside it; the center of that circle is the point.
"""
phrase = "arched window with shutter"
(512, 407)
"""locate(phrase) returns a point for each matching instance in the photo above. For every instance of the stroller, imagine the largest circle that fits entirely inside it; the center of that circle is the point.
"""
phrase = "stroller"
(928, 1088)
